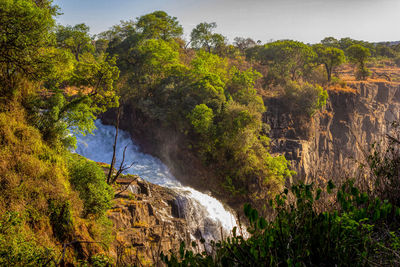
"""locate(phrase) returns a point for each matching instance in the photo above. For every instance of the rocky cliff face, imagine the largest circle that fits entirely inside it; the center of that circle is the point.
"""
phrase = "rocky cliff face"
(336, 140)
(146, 221)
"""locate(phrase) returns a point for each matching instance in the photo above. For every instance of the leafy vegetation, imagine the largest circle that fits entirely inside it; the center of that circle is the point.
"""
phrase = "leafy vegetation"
(55, 80)
(301, 236)
(315, 227)
(358, 54)
(89, 180)
(52, 82)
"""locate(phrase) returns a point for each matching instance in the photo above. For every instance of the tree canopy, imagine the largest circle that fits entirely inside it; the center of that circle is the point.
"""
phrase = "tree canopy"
(287, 59)
(331, 57)
(159, 25)
(202, 36)
(25, 40)
(359, 54)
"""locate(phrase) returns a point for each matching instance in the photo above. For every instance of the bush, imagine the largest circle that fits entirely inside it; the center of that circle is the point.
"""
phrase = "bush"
(337, 81)
(397, 61)
(89, 180)
(304, 98)
(362, 73)
(17, 246)
(61, 219)
(384, 166)
(359, 233)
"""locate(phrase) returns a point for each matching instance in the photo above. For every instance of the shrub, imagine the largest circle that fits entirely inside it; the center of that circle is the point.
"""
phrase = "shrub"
(17, 246)
(356, 234)
(305, 98)
(61, 219)
(337, 81)
(384, 166)
(397, 61)
(89, 180)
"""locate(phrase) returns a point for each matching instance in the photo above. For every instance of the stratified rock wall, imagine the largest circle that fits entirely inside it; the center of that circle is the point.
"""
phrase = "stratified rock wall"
(337, 139)
(146, 222)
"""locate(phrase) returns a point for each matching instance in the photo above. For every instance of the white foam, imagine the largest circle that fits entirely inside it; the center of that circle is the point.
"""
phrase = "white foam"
(201, 210)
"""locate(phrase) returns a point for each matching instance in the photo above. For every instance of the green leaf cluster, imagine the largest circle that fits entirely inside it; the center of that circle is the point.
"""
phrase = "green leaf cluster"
(298, 235)
(88, 178)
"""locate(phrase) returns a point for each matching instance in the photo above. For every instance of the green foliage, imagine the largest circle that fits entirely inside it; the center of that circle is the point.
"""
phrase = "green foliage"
(359, 54)
(241, 88)
(331, 57)
(201, 118)
(19, 247)
(300, 236)
(159, 25)
(98, 260)
(330, 42)
(383, 50)
(305, 98)
(213, 104)
(24, 38)
(96, 76)
(74, 38)
(61, 219)
(60, 117)
(89, 180)
(287, 60)
(202, 36)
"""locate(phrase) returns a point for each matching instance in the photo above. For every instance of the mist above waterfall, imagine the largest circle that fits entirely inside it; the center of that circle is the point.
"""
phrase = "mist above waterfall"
(206, 217)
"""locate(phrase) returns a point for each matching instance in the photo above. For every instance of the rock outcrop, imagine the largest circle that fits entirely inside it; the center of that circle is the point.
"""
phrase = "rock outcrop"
(338, 138)
(146, 221)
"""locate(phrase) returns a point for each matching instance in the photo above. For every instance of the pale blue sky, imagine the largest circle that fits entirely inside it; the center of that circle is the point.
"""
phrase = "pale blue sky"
(304, 20)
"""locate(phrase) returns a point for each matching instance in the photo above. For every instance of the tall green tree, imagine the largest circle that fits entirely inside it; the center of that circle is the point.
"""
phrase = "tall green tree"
(25, 37)
(330, 57)
(202, 36)
(75, 38)
(287, 59)
(330, 42)
(159, 25)
(359, 55)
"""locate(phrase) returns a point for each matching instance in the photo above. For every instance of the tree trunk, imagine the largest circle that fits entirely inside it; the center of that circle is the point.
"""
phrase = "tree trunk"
(114, 147)
(328, 72)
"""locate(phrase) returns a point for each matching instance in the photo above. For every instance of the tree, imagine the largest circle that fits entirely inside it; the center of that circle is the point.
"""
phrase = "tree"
(24, 38)
(75, 38)
(159, 25)
(305, 98)
(201, 119)
(91, 91)
(202, 36)
(330, 42)
(384, 50)
(287, 59)
(359, 54)
(331, 57)
(244, 43)
(95, 77)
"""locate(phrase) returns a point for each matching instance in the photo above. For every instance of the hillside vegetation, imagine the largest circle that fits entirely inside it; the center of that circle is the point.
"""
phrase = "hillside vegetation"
(52, 203)
(55, 80)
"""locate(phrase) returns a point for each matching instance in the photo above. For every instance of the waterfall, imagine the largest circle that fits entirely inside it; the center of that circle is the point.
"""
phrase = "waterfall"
(205, 215)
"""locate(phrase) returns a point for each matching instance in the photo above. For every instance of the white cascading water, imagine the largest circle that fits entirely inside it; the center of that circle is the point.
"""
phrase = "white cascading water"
(205, 215)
